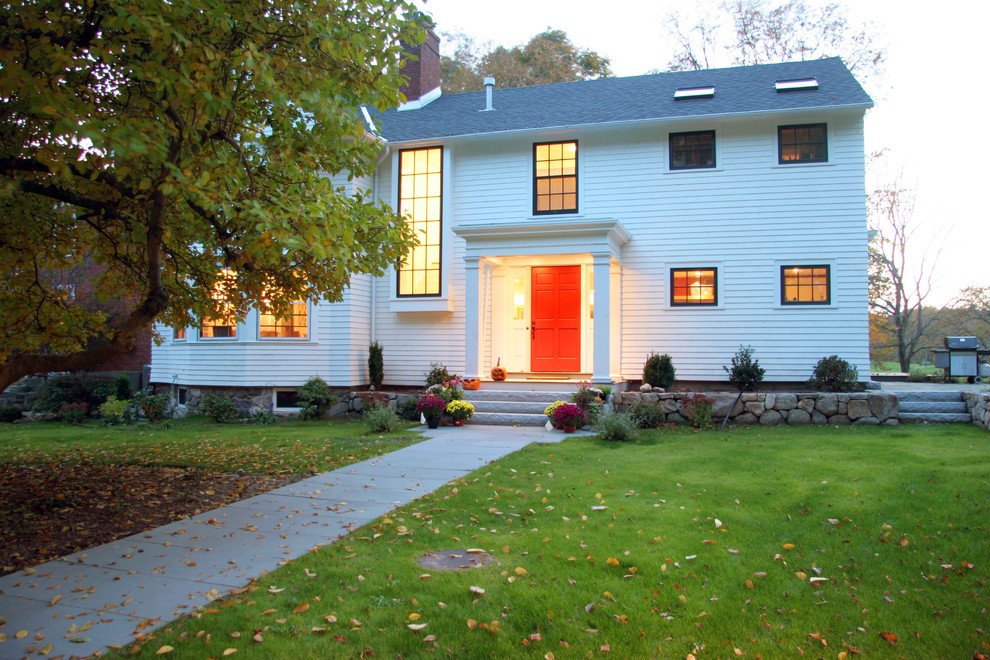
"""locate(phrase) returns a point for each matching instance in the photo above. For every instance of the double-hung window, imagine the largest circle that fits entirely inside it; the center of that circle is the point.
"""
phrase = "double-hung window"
(555, 178)
(805, 285)
(692, 151)
(420, 202)
(293, 325)
(222, 325)
(690, 287)
(803, 143)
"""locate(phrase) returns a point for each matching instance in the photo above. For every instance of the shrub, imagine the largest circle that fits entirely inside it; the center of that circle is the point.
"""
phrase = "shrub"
(646, 415)
(74, 413)
(593, 412)
(9, 414)
(659, 370)
(218, 408)
(746, 372)
(122, 387)
(917, 375)
(606, 391)
(833, 374)
(373, 400)
(460, 409)
(438, 374)
(115, 411)
(586, 395)
(616, 427)
(549, 410)
(154, 407)
(407, 410)
(381, 419)
(376, 365)
(568, 415)
(315, 398)
(262, 417)
(449, 390)
(699, 409)
(430, 405)
(62, 390)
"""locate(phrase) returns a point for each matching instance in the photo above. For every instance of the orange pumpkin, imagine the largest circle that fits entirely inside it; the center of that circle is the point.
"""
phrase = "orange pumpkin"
(471, 383)
(498, 371)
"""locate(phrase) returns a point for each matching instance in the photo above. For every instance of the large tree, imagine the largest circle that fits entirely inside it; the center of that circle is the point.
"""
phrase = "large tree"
(743, 32)
(183, 149)
(549, 57)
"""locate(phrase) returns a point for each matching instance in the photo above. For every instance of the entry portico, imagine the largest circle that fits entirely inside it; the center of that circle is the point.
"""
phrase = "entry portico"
(595, 245)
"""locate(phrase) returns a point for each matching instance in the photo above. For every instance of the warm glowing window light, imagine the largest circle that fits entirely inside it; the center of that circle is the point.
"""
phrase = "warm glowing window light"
(420, 202)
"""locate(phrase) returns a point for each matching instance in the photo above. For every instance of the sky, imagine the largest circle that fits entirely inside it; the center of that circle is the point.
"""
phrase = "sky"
(930, 114)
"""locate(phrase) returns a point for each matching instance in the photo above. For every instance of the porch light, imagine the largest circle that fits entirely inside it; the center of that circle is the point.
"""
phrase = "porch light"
(519, 300)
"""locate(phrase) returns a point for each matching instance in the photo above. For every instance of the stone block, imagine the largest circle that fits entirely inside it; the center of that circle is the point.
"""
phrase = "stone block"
(676, 418)
(651, 397)
(807, 404)
(771, 417)
(669, 406)
(893, 421)
(818, 419)
(745, 418)
(341, 408)
(632, 397)
(843, 407)
(798, 416)
(645, 387)
(858, 409)
(722, 405)
(786, 402)
(838, 420)
(770, 401)
(827, 404)
(883, 406)
(747, 397)
(755, 408)
(867, 421)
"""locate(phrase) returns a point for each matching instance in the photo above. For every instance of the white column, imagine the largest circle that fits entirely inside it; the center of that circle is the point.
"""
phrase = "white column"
(601, 361)
(472, 336)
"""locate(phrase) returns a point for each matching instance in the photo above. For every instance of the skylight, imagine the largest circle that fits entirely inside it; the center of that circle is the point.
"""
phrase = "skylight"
(792, 85)
(694, 93)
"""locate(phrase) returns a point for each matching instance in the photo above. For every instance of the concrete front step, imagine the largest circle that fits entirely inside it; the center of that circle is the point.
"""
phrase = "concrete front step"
(474, 396)
(913, 396)
(933, 407)
(508, 419)
(935, 418)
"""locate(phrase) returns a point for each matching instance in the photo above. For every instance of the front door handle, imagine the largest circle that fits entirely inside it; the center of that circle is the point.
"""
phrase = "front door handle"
(532, 334)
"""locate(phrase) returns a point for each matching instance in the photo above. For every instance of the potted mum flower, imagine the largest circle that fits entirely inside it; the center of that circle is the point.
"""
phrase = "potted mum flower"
(569, 416)
(432, 408)
(549, 411)
(461, 411)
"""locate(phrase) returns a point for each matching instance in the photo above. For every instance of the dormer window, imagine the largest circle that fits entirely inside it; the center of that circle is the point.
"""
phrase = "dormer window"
(555, 178)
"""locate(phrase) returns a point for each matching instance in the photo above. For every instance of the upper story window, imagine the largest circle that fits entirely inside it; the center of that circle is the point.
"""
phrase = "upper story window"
(693, 286)
(805, 285)
(224, 324)
(804, 143)
(295, 325)
(692, 151)
(178, 334)
(420, 197)
(555, 178)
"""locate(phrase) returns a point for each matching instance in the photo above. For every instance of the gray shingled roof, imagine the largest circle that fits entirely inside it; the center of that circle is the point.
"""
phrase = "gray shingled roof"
(637, 98)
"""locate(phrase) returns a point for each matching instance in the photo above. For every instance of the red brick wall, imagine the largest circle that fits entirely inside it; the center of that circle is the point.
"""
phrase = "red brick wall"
(423, 74)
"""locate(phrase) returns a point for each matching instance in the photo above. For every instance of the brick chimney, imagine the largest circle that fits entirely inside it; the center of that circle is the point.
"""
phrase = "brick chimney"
(422, 71)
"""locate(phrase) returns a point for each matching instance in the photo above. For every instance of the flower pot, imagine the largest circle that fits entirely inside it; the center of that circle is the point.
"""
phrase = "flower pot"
(569, 429)
(458, 422)
(433, 422)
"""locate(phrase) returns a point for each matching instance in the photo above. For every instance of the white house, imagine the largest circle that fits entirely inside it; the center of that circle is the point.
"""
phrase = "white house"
(570, 229)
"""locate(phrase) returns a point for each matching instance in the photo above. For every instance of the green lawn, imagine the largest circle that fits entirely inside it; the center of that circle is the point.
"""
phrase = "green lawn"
(772, 543)
(285, 448)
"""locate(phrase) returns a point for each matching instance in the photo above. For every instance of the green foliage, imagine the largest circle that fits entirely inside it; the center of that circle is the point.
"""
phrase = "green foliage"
(122, 387)
(10, 414)
(833, 374)
(381, 419)
(659, 370)
(153, 407)
(438, 374)
(74, 413)
(264, 417)
(646, 415)
(376, 364)
(606, 391)
(460, 409)
(61, 390)
(746, 372)
(154, 145)
(698, 409)
(407, 410)
(586, 395)
(219, 408)
(616, 427)
(315, 399)
(447, 390)
(115, 411)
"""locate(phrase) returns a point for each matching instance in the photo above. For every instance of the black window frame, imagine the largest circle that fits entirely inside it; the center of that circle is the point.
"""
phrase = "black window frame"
(802, 303)
(681, 168)
(537, 179)
(715, 286)
(780, 143)
(440, 245)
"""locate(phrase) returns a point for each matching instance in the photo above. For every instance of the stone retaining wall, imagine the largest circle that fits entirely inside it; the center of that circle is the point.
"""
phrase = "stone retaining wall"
(979, 407)
(770, 409)
(254, 399)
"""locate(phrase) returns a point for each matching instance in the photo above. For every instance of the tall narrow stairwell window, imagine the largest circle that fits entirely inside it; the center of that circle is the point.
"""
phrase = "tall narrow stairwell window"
(420, 196)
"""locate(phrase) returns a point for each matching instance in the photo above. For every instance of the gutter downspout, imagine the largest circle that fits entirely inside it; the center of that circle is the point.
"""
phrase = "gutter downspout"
(374, 283)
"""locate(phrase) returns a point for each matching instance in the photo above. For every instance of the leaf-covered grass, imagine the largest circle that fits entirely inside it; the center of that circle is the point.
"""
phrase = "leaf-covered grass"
(290, 447)
(769, 543)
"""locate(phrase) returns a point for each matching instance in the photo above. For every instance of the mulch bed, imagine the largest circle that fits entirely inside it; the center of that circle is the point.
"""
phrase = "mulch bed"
(54, 510)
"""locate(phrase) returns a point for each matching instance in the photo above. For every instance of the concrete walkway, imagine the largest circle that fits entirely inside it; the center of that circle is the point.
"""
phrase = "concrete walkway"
(83, 602)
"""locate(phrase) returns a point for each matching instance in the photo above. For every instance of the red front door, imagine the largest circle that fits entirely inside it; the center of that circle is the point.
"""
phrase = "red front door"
(556, 319)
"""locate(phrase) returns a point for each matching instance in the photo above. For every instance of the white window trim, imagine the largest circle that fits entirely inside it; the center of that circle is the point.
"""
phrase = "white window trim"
(665, 151)
(699, 264)
(531, 181)
(804, 261)
(275, 406)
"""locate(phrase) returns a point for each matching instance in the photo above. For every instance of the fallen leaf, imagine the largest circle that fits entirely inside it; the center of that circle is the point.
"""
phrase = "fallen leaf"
(258, 638)
(164, 649)
(21, 634)
(477, 590)
(472, 624)
(612, 561)
(519, 570)
(415, 616)
(801, 575)
(789, 546)
(227, 652)
(274, 590)
(416, 626)
(890, 638)
(303, 607)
